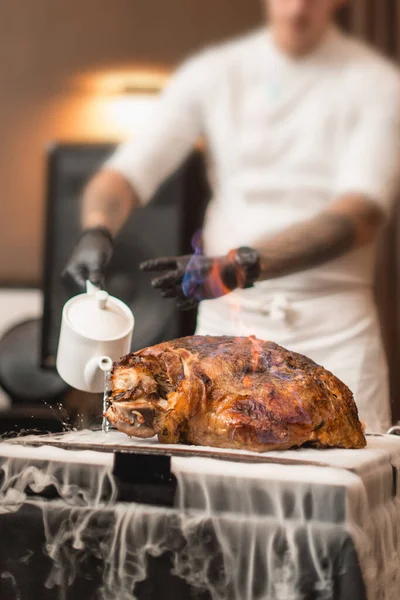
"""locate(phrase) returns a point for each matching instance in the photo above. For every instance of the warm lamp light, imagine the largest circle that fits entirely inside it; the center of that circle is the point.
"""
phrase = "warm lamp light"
(138, 80)
(114, 104)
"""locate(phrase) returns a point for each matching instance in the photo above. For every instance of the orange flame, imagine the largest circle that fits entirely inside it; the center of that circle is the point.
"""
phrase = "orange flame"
(218, 288)
(217, 285)
(256, 350)
(247, 381)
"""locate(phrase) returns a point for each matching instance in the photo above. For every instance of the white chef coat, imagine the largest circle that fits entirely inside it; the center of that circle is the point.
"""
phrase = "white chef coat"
(285, 137)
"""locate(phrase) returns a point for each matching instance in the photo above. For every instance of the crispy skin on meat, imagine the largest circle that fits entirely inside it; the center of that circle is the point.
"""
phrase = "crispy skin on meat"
(232, 393)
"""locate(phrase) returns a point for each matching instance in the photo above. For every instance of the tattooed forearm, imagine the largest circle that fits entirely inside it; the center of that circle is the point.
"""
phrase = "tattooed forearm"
(107, 201)
(321, 239)
(306, 246)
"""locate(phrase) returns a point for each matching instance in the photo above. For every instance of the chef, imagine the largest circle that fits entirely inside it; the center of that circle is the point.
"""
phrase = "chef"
(301, 125)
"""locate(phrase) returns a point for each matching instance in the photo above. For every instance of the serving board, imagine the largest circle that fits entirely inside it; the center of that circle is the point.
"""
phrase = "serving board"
(381, 449)
(338, 480)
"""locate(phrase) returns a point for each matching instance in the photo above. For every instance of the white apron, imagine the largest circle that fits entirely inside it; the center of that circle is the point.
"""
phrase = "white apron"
(339, 331)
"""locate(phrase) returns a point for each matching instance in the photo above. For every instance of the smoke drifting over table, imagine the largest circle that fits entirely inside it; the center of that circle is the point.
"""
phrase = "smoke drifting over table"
(235, 532)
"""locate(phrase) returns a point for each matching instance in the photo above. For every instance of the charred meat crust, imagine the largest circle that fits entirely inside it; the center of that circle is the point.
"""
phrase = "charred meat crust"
(236, 393)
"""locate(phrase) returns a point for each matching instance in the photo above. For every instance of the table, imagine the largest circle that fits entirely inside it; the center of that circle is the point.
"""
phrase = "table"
(235, 530)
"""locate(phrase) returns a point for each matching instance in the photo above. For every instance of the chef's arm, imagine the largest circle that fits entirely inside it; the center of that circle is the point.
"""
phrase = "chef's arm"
(369, 165)
(108, 200)
(349, 223)
(131, 176)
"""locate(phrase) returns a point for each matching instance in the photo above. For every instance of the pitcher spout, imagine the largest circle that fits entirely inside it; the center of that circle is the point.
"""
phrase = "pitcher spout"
(94, 372)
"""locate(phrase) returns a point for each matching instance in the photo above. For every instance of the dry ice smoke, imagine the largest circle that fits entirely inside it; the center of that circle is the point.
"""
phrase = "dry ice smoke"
(294, 538)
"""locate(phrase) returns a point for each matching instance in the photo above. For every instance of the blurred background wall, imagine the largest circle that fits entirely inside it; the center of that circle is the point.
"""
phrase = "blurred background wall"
(377, 21)
(47, 49)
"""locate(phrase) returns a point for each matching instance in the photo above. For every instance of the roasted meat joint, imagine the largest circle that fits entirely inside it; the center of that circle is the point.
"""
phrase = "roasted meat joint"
(228, 392)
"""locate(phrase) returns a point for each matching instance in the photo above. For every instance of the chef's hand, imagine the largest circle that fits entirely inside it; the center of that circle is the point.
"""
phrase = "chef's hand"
(90, 257)
(194, 278)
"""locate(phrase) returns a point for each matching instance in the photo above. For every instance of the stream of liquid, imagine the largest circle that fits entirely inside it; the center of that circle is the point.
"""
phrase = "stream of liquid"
(106, 401)
(237, 531)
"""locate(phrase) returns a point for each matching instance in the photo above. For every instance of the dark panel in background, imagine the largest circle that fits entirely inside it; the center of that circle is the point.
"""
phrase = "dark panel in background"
(163, 228)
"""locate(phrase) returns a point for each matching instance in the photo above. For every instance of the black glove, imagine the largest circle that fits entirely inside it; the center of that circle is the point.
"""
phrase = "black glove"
(90, 257)
(194, 278)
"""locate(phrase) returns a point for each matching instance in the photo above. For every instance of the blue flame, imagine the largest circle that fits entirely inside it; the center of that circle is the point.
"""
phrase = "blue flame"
(193, 278)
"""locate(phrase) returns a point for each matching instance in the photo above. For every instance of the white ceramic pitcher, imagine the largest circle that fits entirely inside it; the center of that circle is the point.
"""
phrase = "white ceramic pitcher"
(96, 330)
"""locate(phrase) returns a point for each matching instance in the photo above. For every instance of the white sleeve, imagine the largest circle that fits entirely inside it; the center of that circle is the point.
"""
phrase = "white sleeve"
(168, 136)
(370, 162)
